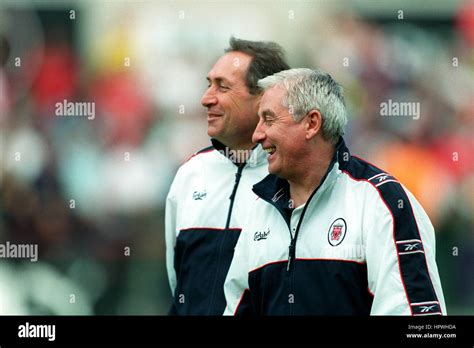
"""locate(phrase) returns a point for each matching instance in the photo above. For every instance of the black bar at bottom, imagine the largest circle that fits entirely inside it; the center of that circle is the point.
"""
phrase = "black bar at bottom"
(140, 330)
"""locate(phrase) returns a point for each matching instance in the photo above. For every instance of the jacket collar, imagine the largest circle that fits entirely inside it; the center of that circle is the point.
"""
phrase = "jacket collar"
(276, 190)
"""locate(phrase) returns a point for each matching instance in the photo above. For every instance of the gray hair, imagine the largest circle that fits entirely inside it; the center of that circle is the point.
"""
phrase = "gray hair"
(308, 90)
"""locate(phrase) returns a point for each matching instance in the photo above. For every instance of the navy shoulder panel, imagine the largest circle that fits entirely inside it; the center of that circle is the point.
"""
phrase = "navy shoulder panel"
(411, 254)
(361, 169)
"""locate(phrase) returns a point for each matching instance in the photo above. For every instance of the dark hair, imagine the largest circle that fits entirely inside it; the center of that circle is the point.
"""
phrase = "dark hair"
(268, 58)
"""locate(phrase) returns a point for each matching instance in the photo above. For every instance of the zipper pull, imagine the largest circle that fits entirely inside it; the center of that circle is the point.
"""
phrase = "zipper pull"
(291, 251)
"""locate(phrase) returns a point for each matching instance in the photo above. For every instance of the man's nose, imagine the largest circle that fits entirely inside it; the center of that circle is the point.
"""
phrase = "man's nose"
(209, 98)
(258, 133)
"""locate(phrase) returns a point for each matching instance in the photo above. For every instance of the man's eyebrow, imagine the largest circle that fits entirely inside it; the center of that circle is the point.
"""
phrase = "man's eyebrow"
(268, 112)
(218, 79)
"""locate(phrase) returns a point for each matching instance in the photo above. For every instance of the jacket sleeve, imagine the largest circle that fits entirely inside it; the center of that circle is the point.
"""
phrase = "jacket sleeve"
(171, 231)
(236, 286)
(400, 253)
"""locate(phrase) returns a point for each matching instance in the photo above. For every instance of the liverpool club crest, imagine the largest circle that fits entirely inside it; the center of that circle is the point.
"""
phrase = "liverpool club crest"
(337, 232)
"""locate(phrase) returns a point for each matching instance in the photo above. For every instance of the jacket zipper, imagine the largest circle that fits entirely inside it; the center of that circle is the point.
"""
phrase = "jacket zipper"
(238, 175)
(292, 247)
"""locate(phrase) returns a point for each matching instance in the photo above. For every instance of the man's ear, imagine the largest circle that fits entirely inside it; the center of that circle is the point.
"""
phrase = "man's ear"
(313, 123)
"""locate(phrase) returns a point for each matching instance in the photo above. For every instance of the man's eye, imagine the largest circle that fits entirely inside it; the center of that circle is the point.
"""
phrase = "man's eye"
(223, 87)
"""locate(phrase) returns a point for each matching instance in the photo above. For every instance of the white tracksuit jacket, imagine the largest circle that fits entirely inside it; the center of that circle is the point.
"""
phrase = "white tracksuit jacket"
(209, 197)
(363, 245)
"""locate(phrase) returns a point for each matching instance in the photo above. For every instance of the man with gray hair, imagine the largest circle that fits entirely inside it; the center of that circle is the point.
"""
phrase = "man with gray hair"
(328, 233)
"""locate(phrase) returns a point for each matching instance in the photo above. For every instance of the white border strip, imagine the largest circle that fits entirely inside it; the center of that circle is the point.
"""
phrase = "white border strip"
(383, 182)
(408, 240)
(423, 303)
(375, 176)
(434, 313)
(411, 252)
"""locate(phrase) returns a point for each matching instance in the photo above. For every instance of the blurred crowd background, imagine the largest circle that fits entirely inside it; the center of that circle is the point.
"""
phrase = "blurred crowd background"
(91, 192)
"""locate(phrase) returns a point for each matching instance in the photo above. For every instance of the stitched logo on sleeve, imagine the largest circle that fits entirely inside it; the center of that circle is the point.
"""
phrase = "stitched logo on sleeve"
(199, 195)
(381, 179)
(337, 232)
(410, 246)
(259, 235)
(426, 308)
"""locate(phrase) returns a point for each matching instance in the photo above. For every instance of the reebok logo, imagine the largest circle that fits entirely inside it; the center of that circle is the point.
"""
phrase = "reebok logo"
(411, 246)
(426, 309)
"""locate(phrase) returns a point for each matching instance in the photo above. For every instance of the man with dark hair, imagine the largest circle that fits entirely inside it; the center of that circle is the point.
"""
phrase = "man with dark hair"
(209, 195)
(267, 58)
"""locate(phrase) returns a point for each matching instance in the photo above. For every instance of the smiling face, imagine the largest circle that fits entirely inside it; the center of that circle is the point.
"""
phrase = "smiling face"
(280, 136)
(231, 109)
